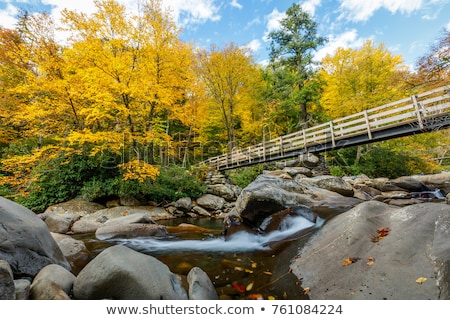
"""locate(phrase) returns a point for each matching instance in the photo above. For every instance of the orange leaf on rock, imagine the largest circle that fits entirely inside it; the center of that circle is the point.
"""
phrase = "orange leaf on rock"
(421, 280)
(348, 261)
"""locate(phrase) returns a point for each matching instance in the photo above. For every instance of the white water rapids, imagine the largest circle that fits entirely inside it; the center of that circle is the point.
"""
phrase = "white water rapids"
(241, 241)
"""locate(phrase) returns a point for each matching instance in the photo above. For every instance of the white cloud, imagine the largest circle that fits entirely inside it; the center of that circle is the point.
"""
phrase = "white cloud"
(362, 10)
(273, 21)
(348, 39)
(448, 27)
(310, 6)
(253, 22)
(254, 45)
(236, 4)
(7, 16)
(191, 12)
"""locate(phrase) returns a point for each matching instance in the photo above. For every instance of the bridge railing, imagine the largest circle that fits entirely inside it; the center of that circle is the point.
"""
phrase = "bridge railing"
(415, 109)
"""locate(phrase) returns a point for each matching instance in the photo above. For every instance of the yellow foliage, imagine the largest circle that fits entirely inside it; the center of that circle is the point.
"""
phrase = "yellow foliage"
(139, 170)
(20, 167)
(357, 80)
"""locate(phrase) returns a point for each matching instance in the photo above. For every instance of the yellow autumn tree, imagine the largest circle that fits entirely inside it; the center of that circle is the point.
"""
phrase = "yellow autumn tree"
(108, 93)
(231, 79)
(360, 79)
(135, 70)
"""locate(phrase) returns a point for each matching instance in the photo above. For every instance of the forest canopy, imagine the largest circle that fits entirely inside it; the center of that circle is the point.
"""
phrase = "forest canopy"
(124, 98)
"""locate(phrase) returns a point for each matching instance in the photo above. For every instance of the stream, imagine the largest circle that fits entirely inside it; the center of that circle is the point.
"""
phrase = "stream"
(241, 266)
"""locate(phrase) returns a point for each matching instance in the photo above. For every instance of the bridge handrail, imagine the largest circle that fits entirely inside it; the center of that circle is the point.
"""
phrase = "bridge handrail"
(414, 108)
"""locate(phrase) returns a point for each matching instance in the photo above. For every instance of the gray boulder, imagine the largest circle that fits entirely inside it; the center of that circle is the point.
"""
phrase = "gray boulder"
(7, 288)
(377, 251)
(211, 202)
(75, 252)
(331, 183)
(74, 207)
(60, 223)
(224, 190)
(270, 194)
(25, 241)
(53, 282)
(132, 230)
(200, 286)
(184, 204)
(130, 226)
(124, 274)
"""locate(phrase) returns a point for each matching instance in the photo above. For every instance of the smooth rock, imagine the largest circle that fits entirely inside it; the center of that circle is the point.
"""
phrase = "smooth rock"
(122, 273)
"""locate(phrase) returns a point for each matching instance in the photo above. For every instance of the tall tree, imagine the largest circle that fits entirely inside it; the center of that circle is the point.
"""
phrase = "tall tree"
(360, 79)
(292, 48)
(231, 78)
(434, 67)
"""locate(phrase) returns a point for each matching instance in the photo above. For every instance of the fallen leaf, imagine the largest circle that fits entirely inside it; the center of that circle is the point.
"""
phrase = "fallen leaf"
(249, 286)
(348, 261)
(271, 298)
(306, 290)
(254, 265)
(382, 233)
(248, 271)
(371, 261)
(238, 269)
(255, 296)
(421, 280)
(239, 287)
(267, 273)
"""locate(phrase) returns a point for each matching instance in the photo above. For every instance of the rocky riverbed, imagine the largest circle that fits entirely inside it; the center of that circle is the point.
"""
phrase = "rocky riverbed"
(371, 239)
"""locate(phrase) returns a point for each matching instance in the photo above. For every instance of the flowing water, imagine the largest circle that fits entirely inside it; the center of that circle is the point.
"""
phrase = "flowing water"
(241, 266)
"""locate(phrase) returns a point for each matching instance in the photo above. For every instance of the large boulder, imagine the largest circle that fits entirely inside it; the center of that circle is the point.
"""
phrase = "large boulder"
(25, 241)
(124, 274)
(269, 194)
(130, 226)
(331, 183)
(377, 251)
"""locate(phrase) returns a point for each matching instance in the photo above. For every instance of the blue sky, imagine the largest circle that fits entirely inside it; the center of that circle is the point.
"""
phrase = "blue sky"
(406, 27)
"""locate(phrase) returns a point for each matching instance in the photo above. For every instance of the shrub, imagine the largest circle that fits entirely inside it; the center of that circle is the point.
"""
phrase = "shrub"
(244, 176)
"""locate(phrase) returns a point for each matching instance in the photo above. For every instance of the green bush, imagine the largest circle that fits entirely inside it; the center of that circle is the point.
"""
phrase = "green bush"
(244, 176)
(62, 179)
(173, 183)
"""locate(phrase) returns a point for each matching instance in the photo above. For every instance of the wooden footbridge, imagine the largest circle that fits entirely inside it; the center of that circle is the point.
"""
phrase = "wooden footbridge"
(425, 112)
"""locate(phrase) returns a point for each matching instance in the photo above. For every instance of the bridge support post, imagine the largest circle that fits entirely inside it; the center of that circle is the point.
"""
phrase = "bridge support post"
(418, 111)
(333, 142)
(369, 133)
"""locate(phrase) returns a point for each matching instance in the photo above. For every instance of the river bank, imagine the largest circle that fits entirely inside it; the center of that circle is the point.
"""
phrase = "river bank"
(264, 211)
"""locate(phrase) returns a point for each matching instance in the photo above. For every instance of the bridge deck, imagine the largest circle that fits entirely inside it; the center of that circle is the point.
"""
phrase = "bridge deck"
(425, 112)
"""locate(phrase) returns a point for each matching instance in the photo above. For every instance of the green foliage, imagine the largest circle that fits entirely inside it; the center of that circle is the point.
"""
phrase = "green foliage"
(337, 171)
(62, 179)
(380, 160)
(174, 183)
(244, 176)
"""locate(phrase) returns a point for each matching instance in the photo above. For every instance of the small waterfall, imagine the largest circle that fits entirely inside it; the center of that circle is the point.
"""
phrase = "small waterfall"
(239, 242)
